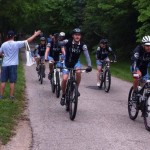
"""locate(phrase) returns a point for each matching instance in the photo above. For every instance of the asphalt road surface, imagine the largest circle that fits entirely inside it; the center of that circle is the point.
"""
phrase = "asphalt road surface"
(102, 121)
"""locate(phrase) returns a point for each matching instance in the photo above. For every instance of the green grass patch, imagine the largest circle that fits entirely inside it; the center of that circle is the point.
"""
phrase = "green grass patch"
(121, 69)
(11, 111)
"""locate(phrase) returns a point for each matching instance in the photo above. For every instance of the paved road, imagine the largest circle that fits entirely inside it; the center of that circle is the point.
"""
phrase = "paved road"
(102, 121)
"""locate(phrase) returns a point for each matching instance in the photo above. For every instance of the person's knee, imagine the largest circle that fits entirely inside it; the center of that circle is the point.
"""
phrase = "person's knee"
(65, 78)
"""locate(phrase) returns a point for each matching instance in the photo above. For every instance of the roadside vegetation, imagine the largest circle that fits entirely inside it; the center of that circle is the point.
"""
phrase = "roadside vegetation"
(10, 111)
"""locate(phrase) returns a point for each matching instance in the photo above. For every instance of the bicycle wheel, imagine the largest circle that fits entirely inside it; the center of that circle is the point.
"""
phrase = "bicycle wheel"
(107, 80)
(132, 105)
(52, 84)
(57, 85)
(146, 113)
(67, 96)
(41, 74)
(73, 101)
(101, 80)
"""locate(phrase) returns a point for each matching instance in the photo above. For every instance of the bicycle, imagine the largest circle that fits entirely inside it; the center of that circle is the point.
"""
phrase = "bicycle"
(140, 101)
(41, 71)
(71, 100)
(105, 76)
(56, 79)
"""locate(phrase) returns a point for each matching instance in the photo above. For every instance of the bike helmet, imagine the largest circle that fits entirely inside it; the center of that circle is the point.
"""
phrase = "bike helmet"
(146, 40)
(76, 30)
(103, 41)
(42, 39)
(62, 34)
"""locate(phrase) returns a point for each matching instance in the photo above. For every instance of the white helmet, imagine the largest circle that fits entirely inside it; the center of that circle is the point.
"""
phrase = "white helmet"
(146, 40)
(61, 34)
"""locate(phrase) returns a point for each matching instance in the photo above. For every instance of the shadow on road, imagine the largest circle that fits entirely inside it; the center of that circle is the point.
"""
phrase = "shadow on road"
(94, 88)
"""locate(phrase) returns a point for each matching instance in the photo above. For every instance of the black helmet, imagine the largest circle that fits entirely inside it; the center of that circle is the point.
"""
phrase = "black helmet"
(42, 39)
(56, 35)
(76, 30)
(103, 41)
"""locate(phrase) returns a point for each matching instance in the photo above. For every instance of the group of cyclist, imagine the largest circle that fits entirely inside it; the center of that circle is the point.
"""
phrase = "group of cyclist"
(69, 51)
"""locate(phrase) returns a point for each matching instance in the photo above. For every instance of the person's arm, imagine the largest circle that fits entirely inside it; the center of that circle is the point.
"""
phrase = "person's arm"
(63, 43)
(87, 56)
(36, 33)
(63, 50)
(135, 58)
(47, 51)
(97, 53)
(112, 53)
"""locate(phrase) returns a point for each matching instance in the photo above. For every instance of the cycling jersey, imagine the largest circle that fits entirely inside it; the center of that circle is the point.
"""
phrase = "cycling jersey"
(102, 53)
(55, 50)
(73, 52)
(40, 49)
(140, 59)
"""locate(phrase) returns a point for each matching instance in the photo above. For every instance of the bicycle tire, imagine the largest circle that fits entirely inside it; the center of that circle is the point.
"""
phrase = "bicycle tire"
(101, 80)
(41, 74)
(146, 113)
(57, 85)
(107, 80)
(67, 96)
(130, 103)
(73, 103)
(52, 84)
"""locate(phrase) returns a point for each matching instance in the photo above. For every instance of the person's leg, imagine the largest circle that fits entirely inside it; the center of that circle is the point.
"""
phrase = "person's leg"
(4, 79)
(3, 84)
(136, 80)
(12, 87)
(12, 79)
(99, 68)
(63, 87)
(51, 65)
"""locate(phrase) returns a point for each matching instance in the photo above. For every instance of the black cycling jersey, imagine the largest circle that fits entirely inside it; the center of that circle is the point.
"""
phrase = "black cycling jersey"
(102, 53)
(140, 59)
(55, 50)
(41, 49)
(73, 52)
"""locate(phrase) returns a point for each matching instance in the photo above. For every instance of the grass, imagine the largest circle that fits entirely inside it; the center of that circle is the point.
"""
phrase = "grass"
(121, 69)
(10, 111)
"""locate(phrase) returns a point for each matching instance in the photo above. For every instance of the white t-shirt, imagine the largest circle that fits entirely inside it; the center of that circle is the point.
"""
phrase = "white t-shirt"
(11, 52)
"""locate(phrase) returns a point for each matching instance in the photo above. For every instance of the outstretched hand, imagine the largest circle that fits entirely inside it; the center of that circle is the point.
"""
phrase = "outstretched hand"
(37, 33)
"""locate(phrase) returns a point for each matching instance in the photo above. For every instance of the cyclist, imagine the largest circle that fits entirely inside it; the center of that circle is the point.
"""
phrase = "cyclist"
(102, 53)
(73, 48)
(53, 53)
(140, 60)
(39, 52)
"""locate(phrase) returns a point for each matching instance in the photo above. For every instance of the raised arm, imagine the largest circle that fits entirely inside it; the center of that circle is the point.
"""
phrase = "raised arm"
(36, 33)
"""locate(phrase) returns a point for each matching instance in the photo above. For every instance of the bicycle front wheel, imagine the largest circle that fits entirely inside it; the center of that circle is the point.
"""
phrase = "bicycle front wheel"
(132, 105)
(146, 113)
(107, 80)
(52, 85)
(101, 80)
(73, 101)
(57, 85)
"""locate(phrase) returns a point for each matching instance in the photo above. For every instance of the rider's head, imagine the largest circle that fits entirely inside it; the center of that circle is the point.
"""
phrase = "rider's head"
(76, 34)
(146, 43)
(55, 37)
(61, 36)
(103, 43)
(43, 40)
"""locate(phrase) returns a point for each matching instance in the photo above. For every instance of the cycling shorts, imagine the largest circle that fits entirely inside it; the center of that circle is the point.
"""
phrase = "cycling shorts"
(77, 66)
(99, 62)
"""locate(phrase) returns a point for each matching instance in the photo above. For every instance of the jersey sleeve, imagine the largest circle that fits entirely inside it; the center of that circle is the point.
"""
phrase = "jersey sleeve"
(48, 45)
(135, 57)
